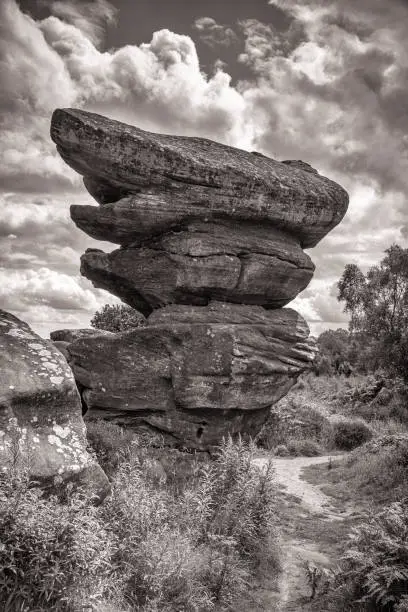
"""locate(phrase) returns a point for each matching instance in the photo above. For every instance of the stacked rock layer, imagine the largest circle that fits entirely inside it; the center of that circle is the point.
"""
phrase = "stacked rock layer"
(211, 247)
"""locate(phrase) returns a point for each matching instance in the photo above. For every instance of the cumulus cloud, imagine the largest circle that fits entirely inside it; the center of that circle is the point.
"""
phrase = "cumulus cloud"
(341, 89)
(53, 63)
(214, 34)
(91, 17)
(39, 262)
(331, 90)
(263, 42)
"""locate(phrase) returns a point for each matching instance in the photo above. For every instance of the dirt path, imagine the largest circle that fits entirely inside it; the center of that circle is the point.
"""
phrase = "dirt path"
(311, 522)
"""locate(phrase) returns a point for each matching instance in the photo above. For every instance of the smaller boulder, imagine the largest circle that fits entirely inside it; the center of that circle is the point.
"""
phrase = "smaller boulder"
(70, 335)
(41, 427)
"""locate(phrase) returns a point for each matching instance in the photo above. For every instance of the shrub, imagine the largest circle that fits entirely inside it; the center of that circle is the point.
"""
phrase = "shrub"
(304, 448)
(348, 434)
(53, 556)
(117, 318)
(149, 547)
(282, 451)
(292, 418)
(111, 444)
(199, 548)
(374, 571)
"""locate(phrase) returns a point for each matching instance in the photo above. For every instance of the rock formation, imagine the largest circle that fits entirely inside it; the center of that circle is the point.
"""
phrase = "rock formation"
(211, 247)
(40, 412)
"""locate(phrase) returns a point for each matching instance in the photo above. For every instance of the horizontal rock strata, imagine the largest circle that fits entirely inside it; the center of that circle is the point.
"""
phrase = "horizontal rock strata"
(195, 177)
(190, 367)
(211, 243)
(203, 262)
(196, 220)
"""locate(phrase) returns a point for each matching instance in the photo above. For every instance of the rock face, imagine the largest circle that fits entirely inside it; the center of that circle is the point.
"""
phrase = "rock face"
(194, 373)
(40, 412)
(193, 178)
(204, 261)
(211, 247)
(197, 220)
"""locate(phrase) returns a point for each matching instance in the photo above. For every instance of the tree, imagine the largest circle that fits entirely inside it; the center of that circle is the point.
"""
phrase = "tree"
(117, 318)
(378, 305)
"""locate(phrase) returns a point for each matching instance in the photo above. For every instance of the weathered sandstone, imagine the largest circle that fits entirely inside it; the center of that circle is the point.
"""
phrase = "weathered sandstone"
(160, 181)
(204, 261)
(194, 373)
(211, 247)
(40, 413)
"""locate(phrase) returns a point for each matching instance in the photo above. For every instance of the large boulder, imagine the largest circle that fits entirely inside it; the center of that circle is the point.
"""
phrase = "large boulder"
(194, 373)
(161, 181)
(203, 229)
(40, 413)
(196, 220)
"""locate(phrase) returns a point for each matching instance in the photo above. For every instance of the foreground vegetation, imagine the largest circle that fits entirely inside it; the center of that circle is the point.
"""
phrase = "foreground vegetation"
(372, 482)
(191, 539)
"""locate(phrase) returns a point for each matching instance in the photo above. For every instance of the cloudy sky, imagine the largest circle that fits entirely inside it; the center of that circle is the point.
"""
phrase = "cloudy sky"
(325, 81)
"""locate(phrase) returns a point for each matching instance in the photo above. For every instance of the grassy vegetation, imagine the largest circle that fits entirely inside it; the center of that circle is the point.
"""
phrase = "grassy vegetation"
(370, 544)
(191, 542)
(309, 421)
(373, 479)
(377, 473)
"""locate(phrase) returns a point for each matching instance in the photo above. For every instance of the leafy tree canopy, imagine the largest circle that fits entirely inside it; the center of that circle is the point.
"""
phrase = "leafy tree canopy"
(117, 318)
(378, 305)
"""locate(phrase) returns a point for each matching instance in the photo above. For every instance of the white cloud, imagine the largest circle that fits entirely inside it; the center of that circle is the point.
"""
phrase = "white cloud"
(22, 288)
(330, 90)
(215, 34)
(52, 63)
(90, 16)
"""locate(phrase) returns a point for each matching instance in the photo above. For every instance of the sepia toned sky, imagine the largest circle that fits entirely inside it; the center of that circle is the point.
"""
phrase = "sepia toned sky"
(325, 81)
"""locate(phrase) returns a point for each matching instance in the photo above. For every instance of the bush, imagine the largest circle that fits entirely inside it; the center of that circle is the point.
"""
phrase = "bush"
(374, 571)
(53, 556)
(150, 546)
(199, 548)
(292, 418)
(304, 448)
(111, 444)
(282, 451)
(117, 318)
(348, 434)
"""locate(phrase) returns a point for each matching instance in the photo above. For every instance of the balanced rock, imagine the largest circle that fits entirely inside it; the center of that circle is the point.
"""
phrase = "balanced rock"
(211, 247)
(40, 412)
(193, 177)
(196, 220)
(194, 373)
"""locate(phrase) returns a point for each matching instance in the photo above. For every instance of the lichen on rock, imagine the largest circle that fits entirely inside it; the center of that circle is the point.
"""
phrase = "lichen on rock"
(41, 425)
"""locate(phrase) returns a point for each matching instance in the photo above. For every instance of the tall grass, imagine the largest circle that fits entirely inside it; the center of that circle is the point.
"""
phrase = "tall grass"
(151, 546)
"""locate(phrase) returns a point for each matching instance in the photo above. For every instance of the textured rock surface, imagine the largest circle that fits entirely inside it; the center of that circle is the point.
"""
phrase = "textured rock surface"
(203, 228)
(243, 264)
(40, 412)
(194, 373)
(198, 220)
(167, 180)
(70, 335)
